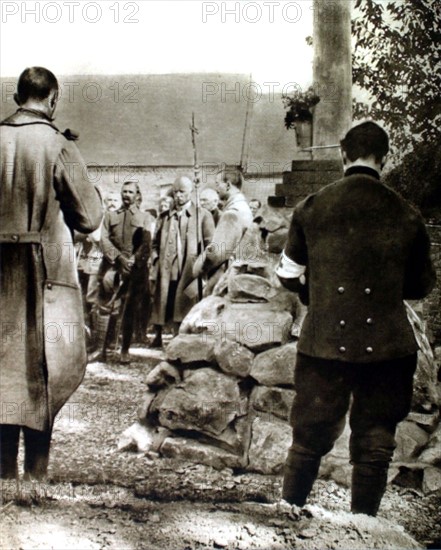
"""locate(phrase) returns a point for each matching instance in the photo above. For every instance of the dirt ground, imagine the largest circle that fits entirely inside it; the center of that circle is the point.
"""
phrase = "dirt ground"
(99, 498)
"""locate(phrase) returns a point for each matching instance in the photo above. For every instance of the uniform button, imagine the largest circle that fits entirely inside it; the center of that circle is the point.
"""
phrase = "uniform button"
(14, 238)
(342, 323)
(367, 290)
(369, 321)
(369, 349)
(49, 286)
(342, 349)
(341, 289)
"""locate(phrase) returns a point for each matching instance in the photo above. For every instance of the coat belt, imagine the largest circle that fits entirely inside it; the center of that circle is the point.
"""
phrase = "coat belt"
(31, 237)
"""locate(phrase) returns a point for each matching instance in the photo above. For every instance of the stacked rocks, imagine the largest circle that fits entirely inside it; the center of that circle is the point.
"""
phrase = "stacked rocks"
(222, 396)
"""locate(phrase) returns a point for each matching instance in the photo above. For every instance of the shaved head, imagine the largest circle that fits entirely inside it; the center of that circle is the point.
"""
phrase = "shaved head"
(183, 182)
(209, 198)
(182, 189)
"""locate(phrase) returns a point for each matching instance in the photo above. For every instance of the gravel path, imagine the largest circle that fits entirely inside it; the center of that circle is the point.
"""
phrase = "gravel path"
(99, 498)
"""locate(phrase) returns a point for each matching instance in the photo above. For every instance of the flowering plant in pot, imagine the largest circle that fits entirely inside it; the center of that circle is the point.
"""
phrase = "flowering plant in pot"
(299, 109)
(299, 106)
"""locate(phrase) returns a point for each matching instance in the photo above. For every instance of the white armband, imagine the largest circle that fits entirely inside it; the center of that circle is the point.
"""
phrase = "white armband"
(288, 269)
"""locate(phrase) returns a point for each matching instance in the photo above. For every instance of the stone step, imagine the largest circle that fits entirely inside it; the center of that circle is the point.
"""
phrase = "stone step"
(316, 165)
(297, 190)
(312, 177)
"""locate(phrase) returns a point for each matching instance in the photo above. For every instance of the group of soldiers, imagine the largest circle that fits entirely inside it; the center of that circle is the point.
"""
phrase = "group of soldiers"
(137, 269)
(355, 251)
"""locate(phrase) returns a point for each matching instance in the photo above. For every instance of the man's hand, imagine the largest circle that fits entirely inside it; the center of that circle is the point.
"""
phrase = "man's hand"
(125, 264)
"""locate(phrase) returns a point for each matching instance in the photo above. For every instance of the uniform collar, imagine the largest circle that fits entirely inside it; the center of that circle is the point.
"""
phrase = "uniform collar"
(132, 208)
(186, 209)
(24, 117)
(34, 112)
(362, 170)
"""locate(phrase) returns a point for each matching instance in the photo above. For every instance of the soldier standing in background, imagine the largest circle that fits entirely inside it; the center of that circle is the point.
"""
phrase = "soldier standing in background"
(236, 218)
(209, 199)
(175, 249)
(126, 243)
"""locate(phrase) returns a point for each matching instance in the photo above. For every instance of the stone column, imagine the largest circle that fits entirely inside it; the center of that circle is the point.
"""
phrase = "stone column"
(332, 74)
(333, 114)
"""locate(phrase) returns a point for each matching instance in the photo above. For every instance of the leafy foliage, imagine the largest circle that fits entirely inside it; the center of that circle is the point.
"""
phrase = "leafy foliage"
(417, 178)
(396, 59)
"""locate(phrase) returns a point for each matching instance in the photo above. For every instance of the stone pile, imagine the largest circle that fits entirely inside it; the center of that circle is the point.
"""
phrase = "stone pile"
(222, 396)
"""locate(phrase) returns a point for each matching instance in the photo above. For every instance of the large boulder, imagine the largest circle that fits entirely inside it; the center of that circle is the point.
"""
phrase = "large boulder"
(275, 367)
(275, 225)
(233, 358)
(272, 401)
(191, 348)
(410, 440)
(206, 401)
(236, 438)
(269, 446)
(163, 374)
(250, 288)
(255, 326)
(185, 448)
(203, 315)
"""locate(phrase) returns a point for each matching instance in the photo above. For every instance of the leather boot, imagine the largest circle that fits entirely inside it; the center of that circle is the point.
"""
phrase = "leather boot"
(299, 476)
(9, 441)
(368, 487)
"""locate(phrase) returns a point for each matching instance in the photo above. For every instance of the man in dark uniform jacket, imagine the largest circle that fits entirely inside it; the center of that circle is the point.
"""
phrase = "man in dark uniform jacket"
(126, 243)
(355, 251)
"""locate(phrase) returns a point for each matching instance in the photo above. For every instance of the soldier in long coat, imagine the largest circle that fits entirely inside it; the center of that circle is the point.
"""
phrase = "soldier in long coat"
(355, 251)
(44, 196)
(175, 249)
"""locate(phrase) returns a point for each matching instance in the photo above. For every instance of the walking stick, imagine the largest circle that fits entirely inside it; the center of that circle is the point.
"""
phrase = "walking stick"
(196, 181)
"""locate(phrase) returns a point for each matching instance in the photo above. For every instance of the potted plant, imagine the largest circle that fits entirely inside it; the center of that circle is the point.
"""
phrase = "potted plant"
(299, 110)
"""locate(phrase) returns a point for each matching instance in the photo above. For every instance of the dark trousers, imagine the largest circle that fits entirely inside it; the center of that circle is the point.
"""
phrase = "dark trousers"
(37, 447)
(381, 397)
(137, 298)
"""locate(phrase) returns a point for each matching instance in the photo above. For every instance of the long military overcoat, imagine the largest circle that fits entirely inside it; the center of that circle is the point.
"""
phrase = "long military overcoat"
(164, 251)
(44, 196)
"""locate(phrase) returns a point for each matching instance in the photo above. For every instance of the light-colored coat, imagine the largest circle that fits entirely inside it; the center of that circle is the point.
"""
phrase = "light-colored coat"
(164, 253)
(44, 196)
(235, 220)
